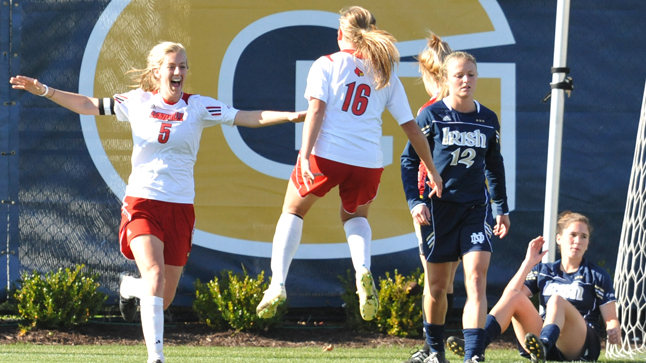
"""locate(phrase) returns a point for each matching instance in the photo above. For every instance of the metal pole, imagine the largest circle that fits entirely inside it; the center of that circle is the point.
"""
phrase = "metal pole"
(556, 131)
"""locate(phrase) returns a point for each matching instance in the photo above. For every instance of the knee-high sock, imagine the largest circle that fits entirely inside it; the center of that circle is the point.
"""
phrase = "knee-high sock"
(549, 335)
(474, 342)
(359, 235)
(492, 328)
(131, 287)
(152, 324)
(286, 240)
(449, 307)
(434, 336)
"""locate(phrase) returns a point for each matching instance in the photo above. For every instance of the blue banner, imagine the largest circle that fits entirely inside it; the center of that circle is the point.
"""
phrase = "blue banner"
(72, 170)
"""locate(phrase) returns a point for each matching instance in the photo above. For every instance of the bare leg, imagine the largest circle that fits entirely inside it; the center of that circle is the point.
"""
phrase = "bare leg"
(573, 328)
(437, 284)
(475, 280)
(516, 308)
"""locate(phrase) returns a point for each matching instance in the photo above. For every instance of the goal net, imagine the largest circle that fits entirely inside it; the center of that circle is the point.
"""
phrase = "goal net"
(630, 274)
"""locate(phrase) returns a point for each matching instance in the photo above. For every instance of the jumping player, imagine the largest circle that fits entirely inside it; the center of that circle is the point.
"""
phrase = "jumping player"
(347, 93)
(573, 294)
(464, 137)
(157, 213)
(430, 64)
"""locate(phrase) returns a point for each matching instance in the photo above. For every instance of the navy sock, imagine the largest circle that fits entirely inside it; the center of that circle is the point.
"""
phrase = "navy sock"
(549, 335)
(492, 328)
(449, 308)
(434, 336)
(474, 342)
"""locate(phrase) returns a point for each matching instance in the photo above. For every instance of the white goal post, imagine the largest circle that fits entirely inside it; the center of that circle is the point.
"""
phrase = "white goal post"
(630, 274)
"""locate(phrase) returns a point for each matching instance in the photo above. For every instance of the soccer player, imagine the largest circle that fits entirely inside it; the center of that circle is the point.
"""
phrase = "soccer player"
(347, 93)
(157, 213)
(573, 293)
(464, 137)
(430, 63)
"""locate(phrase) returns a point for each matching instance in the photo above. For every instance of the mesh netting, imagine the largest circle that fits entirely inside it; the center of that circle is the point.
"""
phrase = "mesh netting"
(630, 276)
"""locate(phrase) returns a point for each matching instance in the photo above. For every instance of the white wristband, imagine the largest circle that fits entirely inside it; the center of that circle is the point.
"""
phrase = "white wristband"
(46, 91)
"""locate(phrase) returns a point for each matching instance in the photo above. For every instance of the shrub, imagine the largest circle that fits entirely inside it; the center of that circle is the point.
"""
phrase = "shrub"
(400, 310)
(59, 299)
(231, 302)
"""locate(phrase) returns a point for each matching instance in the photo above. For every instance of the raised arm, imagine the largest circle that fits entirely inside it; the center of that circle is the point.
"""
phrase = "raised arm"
(266, 118)
(72, 101)
(532, 258)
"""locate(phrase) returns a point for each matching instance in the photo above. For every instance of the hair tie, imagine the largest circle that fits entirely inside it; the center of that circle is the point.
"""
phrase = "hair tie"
(46, 91)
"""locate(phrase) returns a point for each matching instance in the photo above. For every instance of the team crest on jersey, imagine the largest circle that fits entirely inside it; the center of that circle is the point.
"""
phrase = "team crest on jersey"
(358, 72)
(477, 238)
(446, 119)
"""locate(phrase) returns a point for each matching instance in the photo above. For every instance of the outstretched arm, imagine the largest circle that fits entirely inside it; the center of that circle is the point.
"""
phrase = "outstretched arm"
(72, 101)
(266, 118)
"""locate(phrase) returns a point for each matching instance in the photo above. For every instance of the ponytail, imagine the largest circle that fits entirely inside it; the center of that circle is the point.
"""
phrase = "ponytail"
(431, 60)
(376, 46)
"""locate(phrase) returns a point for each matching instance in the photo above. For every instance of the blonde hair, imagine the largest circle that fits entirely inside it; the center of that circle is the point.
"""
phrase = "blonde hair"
(444, 70)
(431, 60)
(566, 218)
(376, 46)
(145, 78)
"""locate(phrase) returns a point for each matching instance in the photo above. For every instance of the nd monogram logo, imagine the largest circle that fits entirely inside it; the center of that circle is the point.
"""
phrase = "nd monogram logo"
(477, 238)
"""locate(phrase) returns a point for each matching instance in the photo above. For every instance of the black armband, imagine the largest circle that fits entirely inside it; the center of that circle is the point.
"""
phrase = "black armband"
(106, 106)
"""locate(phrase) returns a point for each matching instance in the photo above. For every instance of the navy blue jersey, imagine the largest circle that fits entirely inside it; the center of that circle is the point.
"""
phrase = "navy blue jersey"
(587, 289)
(466, 150)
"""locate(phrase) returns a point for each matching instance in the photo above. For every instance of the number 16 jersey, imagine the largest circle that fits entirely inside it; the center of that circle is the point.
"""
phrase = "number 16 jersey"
(351, 130)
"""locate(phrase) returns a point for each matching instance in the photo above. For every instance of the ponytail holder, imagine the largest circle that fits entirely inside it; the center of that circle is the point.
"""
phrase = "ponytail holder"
(46, 91)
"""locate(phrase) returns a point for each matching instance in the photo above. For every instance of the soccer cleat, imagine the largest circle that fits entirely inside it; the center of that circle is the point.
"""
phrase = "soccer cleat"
(475, 359)
(535, 347)
(128, 307)
(417, 356)
(455, 345)
(368, 296)
(273, 298)
(436, 357)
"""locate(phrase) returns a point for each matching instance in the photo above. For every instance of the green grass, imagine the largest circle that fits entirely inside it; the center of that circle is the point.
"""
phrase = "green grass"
(26, 353)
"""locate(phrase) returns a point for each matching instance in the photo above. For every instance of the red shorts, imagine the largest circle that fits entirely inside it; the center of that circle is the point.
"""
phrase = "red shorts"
(172, 223)
(357, 186)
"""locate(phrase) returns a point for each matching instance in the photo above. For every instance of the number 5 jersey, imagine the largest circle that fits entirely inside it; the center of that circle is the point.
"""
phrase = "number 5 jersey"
(166, 138)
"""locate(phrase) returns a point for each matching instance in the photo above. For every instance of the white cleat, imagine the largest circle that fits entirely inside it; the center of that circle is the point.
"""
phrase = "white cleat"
(368, 296)
(273, 298)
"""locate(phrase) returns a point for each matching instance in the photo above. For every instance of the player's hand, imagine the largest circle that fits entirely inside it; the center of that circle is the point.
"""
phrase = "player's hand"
(297, 117)
(421, 214)
(535, 251)
(435, 183)
(502, 225)
(614, 335)
(307, 174)
(28, 84)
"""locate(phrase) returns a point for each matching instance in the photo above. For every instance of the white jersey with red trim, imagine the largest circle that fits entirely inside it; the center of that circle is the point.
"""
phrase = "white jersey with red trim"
(166, 138)
(351, 130)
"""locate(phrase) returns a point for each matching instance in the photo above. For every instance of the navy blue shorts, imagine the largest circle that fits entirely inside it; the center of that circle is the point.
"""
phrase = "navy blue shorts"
(455, 230)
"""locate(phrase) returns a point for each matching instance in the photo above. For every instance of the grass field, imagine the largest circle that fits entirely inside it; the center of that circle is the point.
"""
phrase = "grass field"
(28, 353)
